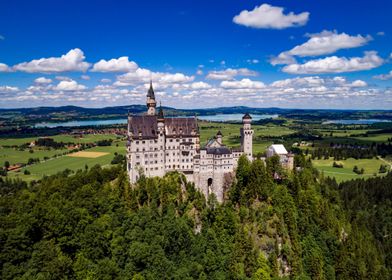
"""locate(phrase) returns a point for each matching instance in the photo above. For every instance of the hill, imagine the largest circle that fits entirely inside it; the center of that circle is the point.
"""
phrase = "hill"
(91, 225)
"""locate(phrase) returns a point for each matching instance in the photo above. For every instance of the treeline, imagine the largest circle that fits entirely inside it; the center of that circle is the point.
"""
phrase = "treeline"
(340, 152)
(93, 225)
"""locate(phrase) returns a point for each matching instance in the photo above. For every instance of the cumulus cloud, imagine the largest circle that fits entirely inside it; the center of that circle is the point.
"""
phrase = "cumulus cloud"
(4, 68)
(121, 64)
(334, 64)
(42, 80)
(283, 58)
(200, 85)
(384, 77)
(8, 89)
(244, 84)
(106, 81)
(326, 42)
(69, 86)
(85, 77)
(144, 75)
(267, 16)
(229, 73)
(71, 61)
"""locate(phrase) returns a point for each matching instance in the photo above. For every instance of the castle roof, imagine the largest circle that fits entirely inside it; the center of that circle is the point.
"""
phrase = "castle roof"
(247, 116)
(147, 126)
(279, 149)
(218, 150)
(181, 126)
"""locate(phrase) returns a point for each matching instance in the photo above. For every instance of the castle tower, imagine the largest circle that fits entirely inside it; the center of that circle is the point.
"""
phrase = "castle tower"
(247, 136)
(161, 139)
(151, 103)
(219, 137)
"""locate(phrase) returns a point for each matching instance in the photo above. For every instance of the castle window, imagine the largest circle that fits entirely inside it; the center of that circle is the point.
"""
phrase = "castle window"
(143, 142)
(146, 163)
(137, 142)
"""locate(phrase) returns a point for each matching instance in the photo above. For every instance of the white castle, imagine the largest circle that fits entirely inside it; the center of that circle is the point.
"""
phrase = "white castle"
(158, 144)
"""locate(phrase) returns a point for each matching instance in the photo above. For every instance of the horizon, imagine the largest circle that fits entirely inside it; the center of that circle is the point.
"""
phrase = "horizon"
(260, 54)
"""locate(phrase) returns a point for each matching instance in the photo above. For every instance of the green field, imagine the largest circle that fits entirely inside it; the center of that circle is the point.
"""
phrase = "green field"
(231, 134)
(231, 138)
(371, 167)
(12, 155)
(88, 138)
(52, 166)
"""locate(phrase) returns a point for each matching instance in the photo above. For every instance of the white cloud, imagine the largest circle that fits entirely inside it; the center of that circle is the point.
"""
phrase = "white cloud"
(283, 58)
(326, 42)
(69, 86)
(199, 72)
(384, 76)
(121, 64)
(63, 78)
(359, 83)
(230, 73)
(334, 64)
(299, 82)
(243, 84)
(2, 37)
(104, 80)
(4, 68)
(42, 80)
(71, 61)
(200, 85)
(380, 33)
(144, 75)
(85, 77)
(8, 89)
(267, 16)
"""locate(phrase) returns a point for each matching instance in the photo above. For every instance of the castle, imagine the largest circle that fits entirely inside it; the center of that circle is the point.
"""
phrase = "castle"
(158, 144)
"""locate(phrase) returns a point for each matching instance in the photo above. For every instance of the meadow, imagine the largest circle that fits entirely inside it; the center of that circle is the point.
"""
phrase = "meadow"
(371, 167)
(264, 135)
(55, 165)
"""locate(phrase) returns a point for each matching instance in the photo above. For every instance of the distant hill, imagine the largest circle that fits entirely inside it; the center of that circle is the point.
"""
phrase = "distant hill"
(65, 113)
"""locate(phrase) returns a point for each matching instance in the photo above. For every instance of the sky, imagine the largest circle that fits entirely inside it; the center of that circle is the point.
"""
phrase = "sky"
(323, 54)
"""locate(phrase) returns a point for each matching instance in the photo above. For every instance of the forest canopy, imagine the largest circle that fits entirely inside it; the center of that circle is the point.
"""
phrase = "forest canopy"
(93, 225)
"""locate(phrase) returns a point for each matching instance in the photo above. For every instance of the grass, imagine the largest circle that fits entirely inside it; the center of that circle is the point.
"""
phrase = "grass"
(231, 134)
(371, 167)
(13, 156)
(53, 166)
(88, 138)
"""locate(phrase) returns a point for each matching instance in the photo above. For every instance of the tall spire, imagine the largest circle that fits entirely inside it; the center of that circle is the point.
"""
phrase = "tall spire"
(150, 92)
(151, 103)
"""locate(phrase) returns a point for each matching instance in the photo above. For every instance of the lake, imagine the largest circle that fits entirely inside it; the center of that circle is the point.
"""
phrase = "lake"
(360, 121)
(214, 118)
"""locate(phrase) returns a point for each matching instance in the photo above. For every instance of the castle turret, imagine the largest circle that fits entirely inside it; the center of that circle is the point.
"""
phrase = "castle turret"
(151, 103)
(161, 138)
(219, 137)
(247, 136)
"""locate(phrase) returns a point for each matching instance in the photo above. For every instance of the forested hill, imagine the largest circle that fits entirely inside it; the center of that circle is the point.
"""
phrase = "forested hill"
(91, 225)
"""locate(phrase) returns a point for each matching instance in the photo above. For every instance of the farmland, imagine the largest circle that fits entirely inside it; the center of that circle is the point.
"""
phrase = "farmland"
(52, 160)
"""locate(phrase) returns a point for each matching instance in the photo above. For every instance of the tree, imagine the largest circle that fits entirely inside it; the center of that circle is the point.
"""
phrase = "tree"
(263, 271)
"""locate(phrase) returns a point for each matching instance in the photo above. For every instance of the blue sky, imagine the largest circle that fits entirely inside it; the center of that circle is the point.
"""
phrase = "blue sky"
(293, 54)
